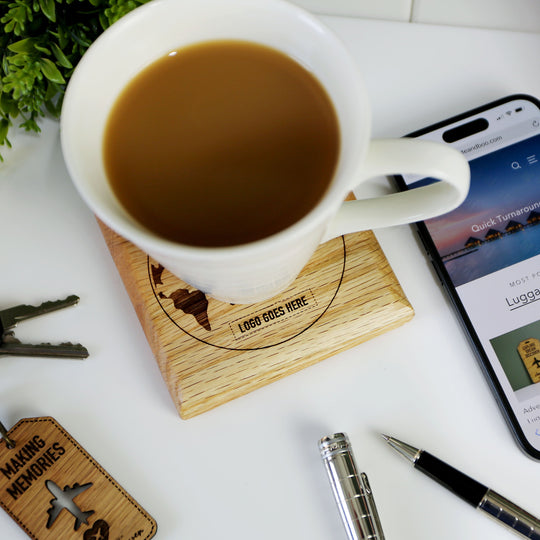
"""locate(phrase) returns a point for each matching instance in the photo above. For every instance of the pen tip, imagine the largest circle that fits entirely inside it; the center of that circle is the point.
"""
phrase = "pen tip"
(406, 450)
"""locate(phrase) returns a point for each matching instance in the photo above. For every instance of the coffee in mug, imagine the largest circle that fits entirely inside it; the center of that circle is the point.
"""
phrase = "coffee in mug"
(221, 143)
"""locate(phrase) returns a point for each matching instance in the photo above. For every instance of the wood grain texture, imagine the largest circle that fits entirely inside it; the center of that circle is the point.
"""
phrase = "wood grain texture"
(45, 458)
(210, 352)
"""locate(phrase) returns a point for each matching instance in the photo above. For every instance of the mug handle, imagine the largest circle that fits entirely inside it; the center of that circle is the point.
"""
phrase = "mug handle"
(405, 156)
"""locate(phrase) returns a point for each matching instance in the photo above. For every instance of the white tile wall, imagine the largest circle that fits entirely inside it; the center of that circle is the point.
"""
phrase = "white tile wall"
(517, 15)
(395, 10)
(521, 15)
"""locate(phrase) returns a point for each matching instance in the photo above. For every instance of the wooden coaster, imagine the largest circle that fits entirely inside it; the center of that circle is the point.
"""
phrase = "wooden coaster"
(55, 490)
(210, 352)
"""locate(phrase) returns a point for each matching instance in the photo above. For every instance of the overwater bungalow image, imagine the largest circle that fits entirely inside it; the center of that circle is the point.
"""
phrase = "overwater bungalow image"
(513, 226)
(534, 217)
(493, 234)
(473, 242)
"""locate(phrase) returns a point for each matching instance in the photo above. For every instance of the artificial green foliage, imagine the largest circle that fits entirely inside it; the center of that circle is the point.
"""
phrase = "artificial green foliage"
(41, 42)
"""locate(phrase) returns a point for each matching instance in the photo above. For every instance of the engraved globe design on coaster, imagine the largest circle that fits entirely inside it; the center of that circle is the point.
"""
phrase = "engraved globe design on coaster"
(253, 326)
(357, 298)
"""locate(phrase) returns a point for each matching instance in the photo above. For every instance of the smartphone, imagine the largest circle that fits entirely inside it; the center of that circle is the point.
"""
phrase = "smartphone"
(486, 252)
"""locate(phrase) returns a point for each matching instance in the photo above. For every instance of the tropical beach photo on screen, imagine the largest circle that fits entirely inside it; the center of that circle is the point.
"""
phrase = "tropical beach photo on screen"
(498, 225)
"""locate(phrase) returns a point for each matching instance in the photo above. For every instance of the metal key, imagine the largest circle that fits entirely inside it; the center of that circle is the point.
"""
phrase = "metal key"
(11, 316)
(10, 345)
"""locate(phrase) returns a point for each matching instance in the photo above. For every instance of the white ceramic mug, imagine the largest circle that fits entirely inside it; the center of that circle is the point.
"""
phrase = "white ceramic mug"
(256, 271)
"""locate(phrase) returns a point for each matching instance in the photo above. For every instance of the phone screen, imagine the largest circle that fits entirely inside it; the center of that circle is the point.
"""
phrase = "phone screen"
(487, 253)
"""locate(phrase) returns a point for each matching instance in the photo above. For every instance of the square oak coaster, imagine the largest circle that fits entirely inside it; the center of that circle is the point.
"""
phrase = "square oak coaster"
(210, 352)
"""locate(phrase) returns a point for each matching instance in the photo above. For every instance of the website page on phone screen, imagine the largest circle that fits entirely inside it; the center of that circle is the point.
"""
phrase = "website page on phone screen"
(490, 247)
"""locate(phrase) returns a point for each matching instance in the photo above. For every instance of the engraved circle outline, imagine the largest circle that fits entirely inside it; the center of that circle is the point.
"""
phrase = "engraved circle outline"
(250, 348)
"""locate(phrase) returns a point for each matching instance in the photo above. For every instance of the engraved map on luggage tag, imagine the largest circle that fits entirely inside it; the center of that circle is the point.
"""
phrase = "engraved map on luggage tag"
(55, 490)
(529, 350)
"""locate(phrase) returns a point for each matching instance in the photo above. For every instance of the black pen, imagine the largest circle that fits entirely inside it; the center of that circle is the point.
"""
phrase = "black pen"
(496, 506)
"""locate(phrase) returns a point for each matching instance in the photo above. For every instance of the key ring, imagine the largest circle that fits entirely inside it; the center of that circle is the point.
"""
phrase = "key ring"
(10, 443)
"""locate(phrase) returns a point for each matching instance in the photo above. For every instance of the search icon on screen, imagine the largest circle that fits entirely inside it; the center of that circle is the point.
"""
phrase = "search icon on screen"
(515, 165)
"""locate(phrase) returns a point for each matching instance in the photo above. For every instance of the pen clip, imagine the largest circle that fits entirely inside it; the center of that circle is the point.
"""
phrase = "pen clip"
(370, 502)
(366, 487)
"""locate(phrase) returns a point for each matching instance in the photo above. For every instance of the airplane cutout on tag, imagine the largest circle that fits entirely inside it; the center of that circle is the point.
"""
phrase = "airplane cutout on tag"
(63, 499)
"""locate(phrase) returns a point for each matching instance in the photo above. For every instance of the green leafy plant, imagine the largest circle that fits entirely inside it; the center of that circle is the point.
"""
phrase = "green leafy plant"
(41, 42)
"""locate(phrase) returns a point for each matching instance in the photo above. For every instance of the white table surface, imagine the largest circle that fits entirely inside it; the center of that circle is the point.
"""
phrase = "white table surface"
(250, 469)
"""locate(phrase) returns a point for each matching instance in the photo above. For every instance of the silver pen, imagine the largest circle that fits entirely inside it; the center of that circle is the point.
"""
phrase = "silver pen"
(351, 489)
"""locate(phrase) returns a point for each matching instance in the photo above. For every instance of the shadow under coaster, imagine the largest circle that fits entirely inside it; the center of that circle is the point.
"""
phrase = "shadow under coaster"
(210, 352)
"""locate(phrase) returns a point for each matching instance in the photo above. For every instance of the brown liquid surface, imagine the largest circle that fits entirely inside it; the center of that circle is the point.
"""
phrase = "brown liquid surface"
(221, 143)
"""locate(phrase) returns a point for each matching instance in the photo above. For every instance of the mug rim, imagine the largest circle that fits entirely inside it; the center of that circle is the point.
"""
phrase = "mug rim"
(131, 229)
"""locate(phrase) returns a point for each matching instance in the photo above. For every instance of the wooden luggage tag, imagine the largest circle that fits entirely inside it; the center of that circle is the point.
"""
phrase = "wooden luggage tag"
(55, 490)
(529, 350)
